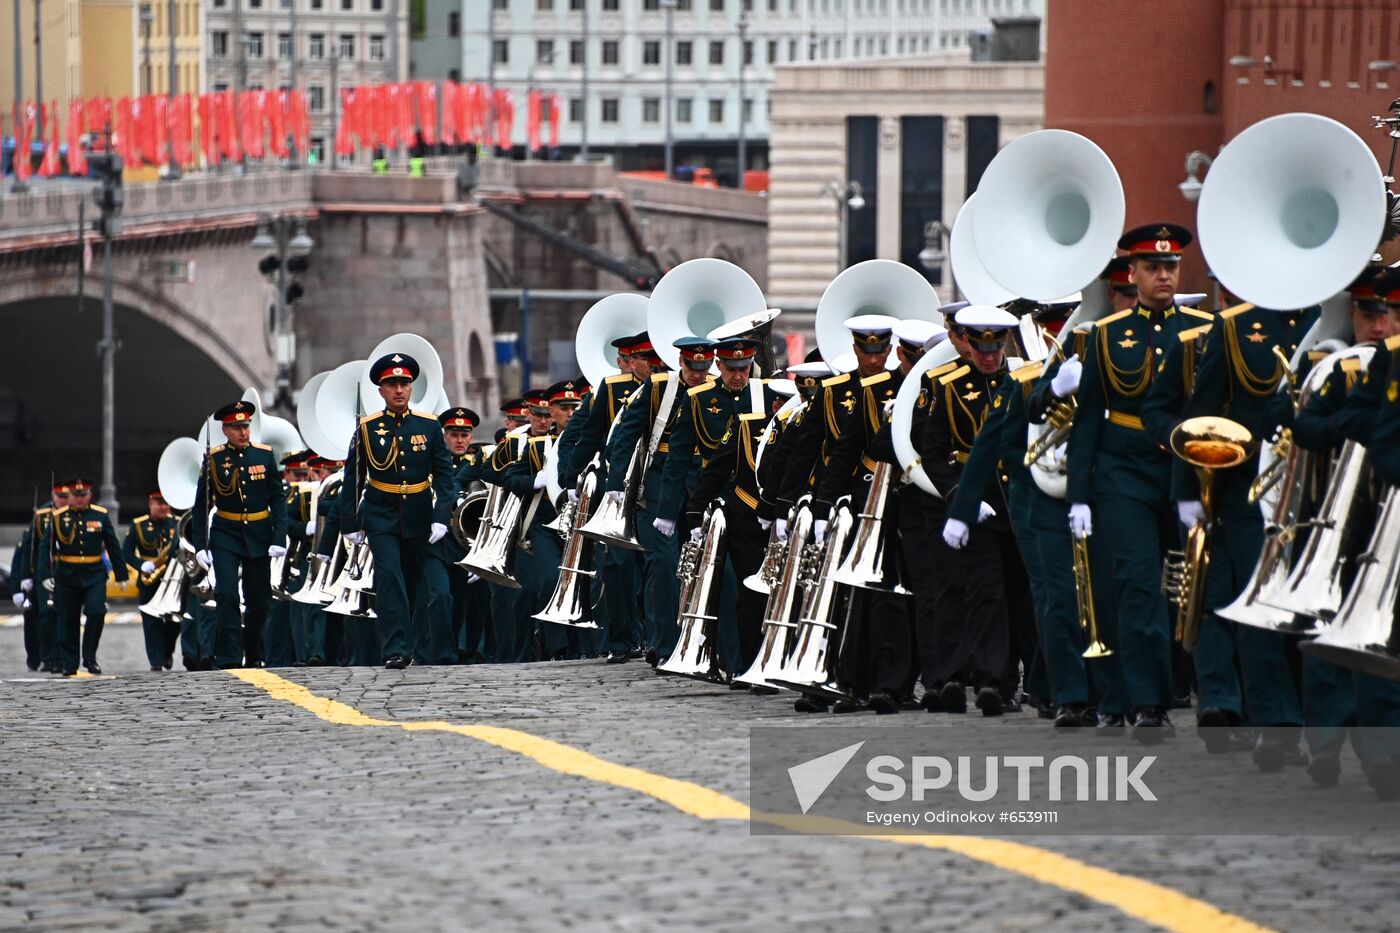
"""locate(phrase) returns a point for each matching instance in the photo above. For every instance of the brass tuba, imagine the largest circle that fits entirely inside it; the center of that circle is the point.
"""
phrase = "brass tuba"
(568, 604)
(701, 564)
(778, 623)
(867, 564)
(812, 668)
(1208, 443)
(492, 554)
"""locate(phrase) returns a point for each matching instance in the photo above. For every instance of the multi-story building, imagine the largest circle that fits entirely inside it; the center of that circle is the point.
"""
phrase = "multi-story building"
(316, 45)
(722, 55)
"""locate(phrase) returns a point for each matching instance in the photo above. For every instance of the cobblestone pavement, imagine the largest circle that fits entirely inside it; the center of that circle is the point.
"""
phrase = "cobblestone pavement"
(196, 801)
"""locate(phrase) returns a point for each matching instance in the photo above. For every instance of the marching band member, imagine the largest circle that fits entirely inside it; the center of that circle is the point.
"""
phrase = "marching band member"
(1116, 466)
(996, 589)
(309, 628)
(649, 419)
(240, 481)
(40, 620)
(402, 487)
(282, 642)
(151, 538)
(71, 555)
(470, 598)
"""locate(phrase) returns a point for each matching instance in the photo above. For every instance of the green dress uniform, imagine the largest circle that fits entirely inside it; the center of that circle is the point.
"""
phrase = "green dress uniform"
(153, 540)
(660, 554)
(40, 621)
(249, 517)
(71, 555)
(1238, 376)
(510, 615)
(400, 473)
(284, 644)
(471, 598)
(815, 439)
(1117, 466)
(539, 556)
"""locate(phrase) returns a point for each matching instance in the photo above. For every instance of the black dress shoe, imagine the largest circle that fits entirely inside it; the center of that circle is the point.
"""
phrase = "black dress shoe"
(652, 658)
(989, 701)
(1109, 725)
(931, 701)
(1148, 726)
(850, 705)
(1325, 769)
(1384, 778)
(1271, 753)
(806, 704)
(884, 703)
(909, 704)
(1213, 726)
(396, 663)
(637, 653)
(1047, 711)
(33, 668)
(1069, 716)
(92, 668)
(70, 673)
(1181, 702)
(298, 664)
(1012, 706)
(954, 697)
(762, 690)
(738, 685)
(620, 658)
(156, 668)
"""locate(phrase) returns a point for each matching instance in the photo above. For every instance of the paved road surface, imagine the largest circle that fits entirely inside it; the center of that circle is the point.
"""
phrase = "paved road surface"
(201, 801)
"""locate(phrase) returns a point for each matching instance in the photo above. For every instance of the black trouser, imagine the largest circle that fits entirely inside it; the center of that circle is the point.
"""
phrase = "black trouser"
(745, 543)
(996, 593)
(939, 617)
(257, 599)
(893, 618)
(74, 599)
(33, 634)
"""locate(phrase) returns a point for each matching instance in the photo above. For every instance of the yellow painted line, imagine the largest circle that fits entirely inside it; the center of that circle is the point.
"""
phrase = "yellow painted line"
(1143, 900)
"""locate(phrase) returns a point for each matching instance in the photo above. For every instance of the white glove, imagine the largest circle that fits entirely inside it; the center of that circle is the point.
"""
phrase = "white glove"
(573, 497)
(473, 578)
(984, 512)
(782, 529)
(276, 550)
(1081, 521)
(1066, 381)
(696, 534)
(18, 600)
(955, 533)
(147, 567)
(205, 559)
(665, 526)
(541, 480)
(310, 529)
(819, 530)
(765, 523)
(1191, 513)
(355, 537)
(26, 585)
(437, 532)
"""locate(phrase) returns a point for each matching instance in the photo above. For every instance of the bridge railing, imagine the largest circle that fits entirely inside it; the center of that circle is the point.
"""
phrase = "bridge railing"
(55, 210)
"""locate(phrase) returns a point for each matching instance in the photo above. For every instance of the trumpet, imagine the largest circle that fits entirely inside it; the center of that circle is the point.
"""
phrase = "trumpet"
(1084, 594)
(161, 561)
(1270, 476)
(1060, 419)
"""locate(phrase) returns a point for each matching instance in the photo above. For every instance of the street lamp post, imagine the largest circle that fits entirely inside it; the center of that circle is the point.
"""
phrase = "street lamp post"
(670, 7)
(334, 59)
(933, 256)
(19, 186)
(1196, 162)
(292, 73)
(743, 40)
(172, 80)
(287, 236)
(848, 197)
(148, 17)
(583, 92)
(38, 64)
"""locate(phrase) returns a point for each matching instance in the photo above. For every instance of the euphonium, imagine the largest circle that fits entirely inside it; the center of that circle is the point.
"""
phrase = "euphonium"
(699, 570)
(812, 667)
(775, 555)
(1208, 443)
(466, 513)
(168, 601)
(614, 522)
(865, 565)
(778, 623)
(354, 586)
(568, 604)
(492, 555)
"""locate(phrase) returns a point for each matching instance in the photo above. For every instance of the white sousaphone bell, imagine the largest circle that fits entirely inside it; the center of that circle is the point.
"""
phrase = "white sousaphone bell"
(876, 286)
(426, 388)
(698, 297)
(616, 316)
(177, 474)
(971, 275)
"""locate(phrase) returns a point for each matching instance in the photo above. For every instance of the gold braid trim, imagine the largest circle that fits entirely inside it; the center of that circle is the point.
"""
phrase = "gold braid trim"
(1126, 383)
(391, 458)
(72, 533)
(1253, 384)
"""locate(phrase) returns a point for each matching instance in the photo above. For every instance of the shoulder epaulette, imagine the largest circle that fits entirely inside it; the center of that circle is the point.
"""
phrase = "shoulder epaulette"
(937, 371)
(214, 450)
(752, 415)
(1186, 336)
(422, 414)
(43, 510)
(620, 377)
(540, 439)
(1317, 356)
(98, 509)
(1084, 327)
(1236, 311)
(955, 375)
(139, 518)
(660, 377)
(835, 380)
(368, 418)
(1351, 365)
(60, 511)
(1028, 372)
(1203, 315)
(1117, 316)
(261, 446)
(1393, 343)
(875, 379)
(702, 387)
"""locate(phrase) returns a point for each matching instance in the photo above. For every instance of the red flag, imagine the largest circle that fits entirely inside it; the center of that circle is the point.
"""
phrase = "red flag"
(533, 116)
(505, 117)
(207, 116)
(50, 165)
(161, 118)
(448, 130)
(227, 126)
(427, 111)
(254, 117)
(182, 135)
(468, 125)
(298, 123)
(26, 116)
(77, 159)
(98, 113)
(124, 140)
(274, 105)
(556, 116)
(349, 111)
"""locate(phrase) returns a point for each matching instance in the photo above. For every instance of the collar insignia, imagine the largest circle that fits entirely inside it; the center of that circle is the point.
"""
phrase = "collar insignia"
(1127, 343)
(1256, 337)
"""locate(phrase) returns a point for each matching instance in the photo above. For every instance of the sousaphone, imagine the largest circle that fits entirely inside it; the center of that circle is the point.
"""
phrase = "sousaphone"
(178, 471)
(876, 286)
(697, 297)
(615, 316)
(426, 388)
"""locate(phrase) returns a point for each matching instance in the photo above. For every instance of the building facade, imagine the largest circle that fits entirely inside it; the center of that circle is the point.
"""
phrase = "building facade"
(608, 59)
(320, 46)
(914, 136)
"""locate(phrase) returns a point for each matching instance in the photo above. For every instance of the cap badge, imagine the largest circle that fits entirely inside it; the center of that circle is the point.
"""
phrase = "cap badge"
(396, 358)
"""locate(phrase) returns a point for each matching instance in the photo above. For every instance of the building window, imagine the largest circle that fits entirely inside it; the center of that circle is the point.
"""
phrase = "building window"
(454, 24)
(609, 5)
(255, 4)
(544, 4)
(347, 47)
(347, 5)
(651, 109)
(316, 4)
(792, 50)
(716, 110)
(218, 44)
(610, 52)
(748, 110)
(316, 98)
(651, 52)
(220, 86)
(651, 6)
(684, 52)
(684, 110)
(575, 110)
(316, 46)
(501, 5)
(219, 4)
(609, 109)
(255, 45)
(575, 51)
(575, 4)
(717, 52)
(284, 45)
(772, 51)
(502, 52)
(717, 6)
(376, 5)
(544, 51)
(318, 149)
(748, 51)
(376, 48)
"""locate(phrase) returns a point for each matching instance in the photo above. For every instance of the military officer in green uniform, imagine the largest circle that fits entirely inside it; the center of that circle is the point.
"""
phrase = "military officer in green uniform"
(400, 474)
(40, 620)
(241, 482)
(309, 621)
(649, 418)
(469, 598)
(71, 561)
(283, 642)
(1116, 466)
(150, 546)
